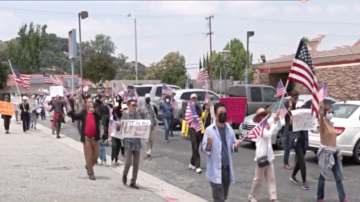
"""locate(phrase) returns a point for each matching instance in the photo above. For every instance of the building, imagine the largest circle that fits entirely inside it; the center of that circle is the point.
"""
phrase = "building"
(339, 68)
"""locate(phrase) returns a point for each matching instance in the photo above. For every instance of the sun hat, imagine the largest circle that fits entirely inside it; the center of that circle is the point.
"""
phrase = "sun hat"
(193, 96)
(260, 112)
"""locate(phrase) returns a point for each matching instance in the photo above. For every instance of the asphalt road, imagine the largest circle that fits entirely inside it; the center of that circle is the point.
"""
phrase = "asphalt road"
(170, 162)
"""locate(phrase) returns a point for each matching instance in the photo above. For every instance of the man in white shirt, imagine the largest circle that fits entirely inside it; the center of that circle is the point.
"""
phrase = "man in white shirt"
(264, 148)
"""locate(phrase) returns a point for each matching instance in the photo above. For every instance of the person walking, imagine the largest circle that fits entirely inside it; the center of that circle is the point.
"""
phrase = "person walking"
(117, 144)
(104, 111)
(132, 147)
(90, 135)
(59, 115)
(16, 110)
(24, 114)
(167, 115)
(33, 110)
(289, 136)
(79, 106)
(301, 145)
(148, 112)
(219, 143)
(264, 157)
(7, 118)
(329, 156)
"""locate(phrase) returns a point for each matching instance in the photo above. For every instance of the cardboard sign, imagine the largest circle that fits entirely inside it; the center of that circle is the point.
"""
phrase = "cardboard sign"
(56, 90)
(235, 108)
(133, 129)
(15, 100)
(6, 108)
(303, 120)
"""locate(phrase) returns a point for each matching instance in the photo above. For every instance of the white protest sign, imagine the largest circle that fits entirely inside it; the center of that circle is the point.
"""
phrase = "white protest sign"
(16, 100)
(303, 120)
(133, 129)
(56, 90)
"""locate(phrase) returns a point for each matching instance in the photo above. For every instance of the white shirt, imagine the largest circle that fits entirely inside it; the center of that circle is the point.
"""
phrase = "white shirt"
(264, 144)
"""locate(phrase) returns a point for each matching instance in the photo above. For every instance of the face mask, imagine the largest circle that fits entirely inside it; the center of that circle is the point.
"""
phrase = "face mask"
(329, 116)
(222, 117)
(147, 100)
(167, 100)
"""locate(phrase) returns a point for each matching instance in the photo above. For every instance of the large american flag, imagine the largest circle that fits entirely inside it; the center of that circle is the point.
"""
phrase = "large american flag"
(167, 90)
(280, 90)
(22, 79)
(50, 79)
(323, 93)
(191, 117)
(259, 129)
(303, 72)
(201, 75)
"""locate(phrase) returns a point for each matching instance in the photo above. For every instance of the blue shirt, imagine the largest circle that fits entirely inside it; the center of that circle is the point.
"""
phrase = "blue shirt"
(213, 157)
(167, 110)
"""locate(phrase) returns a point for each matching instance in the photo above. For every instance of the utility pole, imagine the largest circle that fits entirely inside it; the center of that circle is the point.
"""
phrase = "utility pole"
(210, 38)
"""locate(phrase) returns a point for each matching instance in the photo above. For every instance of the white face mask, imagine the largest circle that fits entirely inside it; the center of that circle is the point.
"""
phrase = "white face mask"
(167, 100)
(329, 116)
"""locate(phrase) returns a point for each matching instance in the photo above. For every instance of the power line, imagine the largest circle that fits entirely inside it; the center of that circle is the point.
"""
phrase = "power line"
(260, 42)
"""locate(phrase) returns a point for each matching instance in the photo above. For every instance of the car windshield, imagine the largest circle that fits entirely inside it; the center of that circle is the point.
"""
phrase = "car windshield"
(141, 91)
(343, 110)
(273, 108)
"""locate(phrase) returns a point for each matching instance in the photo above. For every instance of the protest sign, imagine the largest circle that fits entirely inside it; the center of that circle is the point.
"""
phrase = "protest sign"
(15, 100)
(303, 120)
(235, 108)
(6, 108)
(133, 129)
(56, 90)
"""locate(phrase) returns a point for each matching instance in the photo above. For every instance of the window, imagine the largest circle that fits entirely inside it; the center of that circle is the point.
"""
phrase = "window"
(269, 94)
(255, 94)
(329, 102)
(175, 88)
(200, 96)
(343, 110)
(158, 92)
(141, 91)
(213, 96)
(307, 104)
(185, 96)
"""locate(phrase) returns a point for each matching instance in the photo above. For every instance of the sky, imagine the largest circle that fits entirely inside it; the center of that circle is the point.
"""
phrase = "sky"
(166, 26)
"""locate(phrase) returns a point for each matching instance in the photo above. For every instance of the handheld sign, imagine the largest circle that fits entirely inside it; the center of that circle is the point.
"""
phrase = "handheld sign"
(133, 129)
(56, 90)
(303, 120)
(235, 108)
(6, 108)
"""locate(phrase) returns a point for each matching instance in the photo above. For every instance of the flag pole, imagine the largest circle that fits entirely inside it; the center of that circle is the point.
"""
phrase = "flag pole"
(282, 97)
(16, 83)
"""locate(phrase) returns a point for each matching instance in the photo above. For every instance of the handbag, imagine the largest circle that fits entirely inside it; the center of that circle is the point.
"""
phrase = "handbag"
(263, 161)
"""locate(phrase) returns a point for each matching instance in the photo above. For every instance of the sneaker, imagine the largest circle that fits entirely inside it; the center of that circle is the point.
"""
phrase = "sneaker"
(92, 177)
(198, 170)
(167, 141)
(287, 167)
(305, 186)
(134, 186)
(191, 167)
(294, 180)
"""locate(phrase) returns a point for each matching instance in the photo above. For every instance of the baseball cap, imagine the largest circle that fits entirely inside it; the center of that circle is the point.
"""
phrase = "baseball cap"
(193, 96)
(147, 95)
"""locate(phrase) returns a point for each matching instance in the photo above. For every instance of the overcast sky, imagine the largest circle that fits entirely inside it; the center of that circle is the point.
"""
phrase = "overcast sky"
(180, 25)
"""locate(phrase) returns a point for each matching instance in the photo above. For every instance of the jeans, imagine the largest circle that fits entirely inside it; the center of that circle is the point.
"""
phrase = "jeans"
(196, 139)
(220, 191)
(287, 144)
(102, 154)
(300, 152)
(338, 178)
(167, 127)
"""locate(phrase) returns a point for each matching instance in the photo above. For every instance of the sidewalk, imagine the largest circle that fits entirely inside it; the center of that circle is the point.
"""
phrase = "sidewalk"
(35, 166)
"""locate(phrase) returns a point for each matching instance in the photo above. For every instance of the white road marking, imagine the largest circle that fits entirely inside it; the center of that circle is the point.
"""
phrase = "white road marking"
(281, 153)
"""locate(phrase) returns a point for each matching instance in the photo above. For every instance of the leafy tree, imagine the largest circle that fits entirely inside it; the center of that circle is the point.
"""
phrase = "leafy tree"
(130, 77)
(103, 44)
(26, 52)
(305, 40)
(174, 70)
(154, 72)
(4, 71)
(99, 66)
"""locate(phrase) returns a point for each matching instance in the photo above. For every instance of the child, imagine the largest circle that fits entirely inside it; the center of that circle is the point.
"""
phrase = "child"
(102, 150)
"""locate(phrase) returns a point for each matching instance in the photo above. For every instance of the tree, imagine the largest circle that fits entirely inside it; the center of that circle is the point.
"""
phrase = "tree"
(4, 71)
(305, 40)
(99, 66)
(174, 70)
(154, 72)
(103, 44)
(26, 52)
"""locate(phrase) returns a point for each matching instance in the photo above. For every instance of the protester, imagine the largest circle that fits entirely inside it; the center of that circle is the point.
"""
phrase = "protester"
(206, 115)
(301, 145)
(329, 156)
(90, 135)
(117, 144)
(148, 112)
(41, 101)
(219, 143)
(72, 105)
(7, 118)
(59, 115)
(34, 115)
(264, 157)
(104, 111)
(16, 109)
(132, 147)
(79, 106)
(167, 115)
(24, 114)
(102, 149)
(289, 136)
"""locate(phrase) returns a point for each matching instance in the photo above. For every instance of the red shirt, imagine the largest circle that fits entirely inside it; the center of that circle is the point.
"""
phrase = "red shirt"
(90, 125)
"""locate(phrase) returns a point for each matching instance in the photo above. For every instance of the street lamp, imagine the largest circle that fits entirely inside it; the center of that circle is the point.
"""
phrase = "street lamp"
(136, 69)
(82, 15)
(249, 34)
(225, 54)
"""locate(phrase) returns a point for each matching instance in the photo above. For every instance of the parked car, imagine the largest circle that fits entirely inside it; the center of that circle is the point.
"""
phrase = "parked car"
(304, 101)
(257, 96)
(346, 120)
(155, 91)
(183, 96)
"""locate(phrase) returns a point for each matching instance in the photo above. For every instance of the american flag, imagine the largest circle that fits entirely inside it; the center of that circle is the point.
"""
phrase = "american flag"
(124, 86)
(136, 96)
(126, 96)
(50, 79)
(323, 93)
(114, 88)
(187, 84)
(303, 72)
(112, 126)
(207, 84)
(259, 129)
(201, 76)
(167, 90)
(195, 118)
(280, 90)
(22, 79)
(174, 103)
(283, 111)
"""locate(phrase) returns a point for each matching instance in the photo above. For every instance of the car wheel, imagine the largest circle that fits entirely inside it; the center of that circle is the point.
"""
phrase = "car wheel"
(356, 153)
(279, 140)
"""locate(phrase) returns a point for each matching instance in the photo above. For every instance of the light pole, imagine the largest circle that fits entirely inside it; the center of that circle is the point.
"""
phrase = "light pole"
(81, 15)
(136, 69)
(248, 35)
(225, 55)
